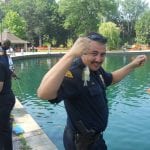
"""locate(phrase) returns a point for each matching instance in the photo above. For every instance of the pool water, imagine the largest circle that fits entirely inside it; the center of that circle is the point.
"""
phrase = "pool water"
(129, 103)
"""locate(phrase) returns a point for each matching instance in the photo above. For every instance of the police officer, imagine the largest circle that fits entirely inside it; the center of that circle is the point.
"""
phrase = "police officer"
(79, 79)
(7, 100)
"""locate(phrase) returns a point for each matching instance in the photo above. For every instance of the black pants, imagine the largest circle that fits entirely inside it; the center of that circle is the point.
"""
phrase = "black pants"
(69, 141)
(6, 105)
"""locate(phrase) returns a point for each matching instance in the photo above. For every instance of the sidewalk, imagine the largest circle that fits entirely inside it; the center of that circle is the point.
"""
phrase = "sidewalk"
(33, 137)
(28, 54)
(16, 54)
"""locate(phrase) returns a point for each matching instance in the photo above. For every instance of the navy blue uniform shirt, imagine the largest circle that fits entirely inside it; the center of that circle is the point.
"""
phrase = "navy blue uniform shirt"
(86, 103)
(5, 76)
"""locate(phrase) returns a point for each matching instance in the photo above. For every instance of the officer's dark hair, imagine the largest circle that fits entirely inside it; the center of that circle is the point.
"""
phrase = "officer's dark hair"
(7, 43)
(97, 37)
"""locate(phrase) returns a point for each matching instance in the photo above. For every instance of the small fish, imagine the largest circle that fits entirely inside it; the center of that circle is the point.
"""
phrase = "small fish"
(86, 75)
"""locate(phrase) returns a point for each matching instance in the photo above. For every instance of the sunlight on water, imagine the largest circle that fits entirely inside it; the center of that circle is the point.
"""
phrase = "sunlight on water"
(129, 103)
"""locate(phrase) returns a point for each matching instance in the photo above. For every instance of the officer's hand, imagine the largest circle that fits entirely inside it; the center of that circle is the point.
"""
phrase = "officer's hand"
(139, 60)
(80, 47)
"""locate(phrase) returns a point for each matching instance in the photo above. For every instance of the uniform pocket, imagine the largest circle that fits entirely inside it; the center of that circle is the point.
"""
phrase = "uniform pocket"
(94, 90)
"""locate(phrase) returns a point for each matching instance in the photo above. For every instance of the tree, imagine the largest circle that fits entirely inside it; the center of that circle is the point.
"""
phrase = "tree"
(128, 13)
(39, 16)
(83, 16)
(112, 32)
(142, 28)
(1, 18)
(14, 23)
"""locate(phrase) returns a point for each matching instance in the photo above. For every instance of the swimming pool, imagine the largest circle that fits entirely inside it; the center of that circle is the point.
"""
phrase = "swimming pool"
(129, 103)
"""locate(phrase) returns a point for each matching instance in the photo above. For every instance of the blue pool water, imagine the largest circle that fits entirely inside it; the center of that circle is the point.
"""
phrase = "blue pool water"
(129, 103)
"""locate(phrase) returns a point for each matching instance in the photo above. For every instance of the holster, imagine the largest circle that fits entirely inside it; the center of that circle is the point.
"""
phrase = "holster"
(85, 137)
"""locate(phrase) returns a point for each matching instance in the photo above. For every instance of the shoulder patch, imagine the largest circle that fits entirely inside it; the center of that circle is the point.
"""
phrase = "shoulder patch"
(69, 74)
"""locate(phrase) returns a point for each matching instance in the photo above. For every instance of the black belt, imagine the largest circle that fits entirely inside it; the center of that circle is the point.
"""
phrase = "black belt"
(82, 142)
(85, 137)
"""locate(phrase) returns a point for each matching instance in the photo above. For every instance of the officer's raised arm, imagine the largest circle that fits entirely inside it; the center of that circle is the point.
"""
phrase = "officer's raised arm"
(121, 73)
(53, 78)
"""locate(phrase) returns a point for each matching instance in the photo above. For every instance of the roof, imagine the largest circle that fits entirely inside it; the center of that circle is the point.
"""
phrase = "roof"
(14, 39)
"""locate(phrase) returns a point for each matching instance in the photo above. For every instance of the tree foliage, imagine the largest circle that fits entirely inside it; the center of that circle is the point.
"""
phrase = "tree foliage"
(84, 16)
(112, 32)
(142, 28)
(47, 21)
(37, 14)
(14, 23)
(128, 13)
(41, 18)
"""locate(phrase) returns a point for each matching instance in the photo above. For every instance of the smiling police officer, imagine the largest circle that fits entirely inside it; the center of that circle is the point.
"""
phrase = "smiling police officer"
(79, 79)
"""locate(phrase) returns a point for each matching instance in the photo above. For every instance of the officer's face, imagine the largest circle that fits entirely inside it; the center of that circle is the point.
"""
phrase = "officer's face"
(95, 56)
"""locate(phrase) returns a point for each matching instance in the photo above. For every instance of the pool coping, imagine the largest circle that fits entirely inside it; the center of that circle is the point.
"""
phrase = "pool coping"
(33, 135)
(28, 55)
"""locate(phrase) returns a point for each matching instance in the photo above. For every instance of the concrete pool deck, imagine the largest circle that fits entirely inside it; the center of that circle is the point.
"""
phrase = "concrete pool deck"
(25, 55)
(34, 137)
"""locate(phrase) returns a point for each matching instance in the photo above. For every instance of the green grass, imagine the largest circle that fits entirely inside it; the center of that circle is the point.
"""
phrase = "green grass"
(23, 142)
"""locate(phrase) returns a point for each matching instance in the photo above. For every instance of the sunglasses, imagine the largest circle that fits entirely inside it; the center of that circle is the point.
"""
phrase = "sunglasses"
(98, 38)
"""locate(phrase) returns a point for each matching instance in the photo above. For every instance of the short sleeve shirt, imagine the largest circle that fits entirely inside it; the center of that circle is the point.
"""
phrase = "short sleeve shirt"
(86, 103)
(5, 76)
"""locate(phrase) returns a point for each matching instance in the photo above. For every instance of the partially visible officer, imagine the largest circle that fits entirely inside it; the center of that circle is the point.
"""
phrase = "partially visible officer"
(7, 99)
(79, 79)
